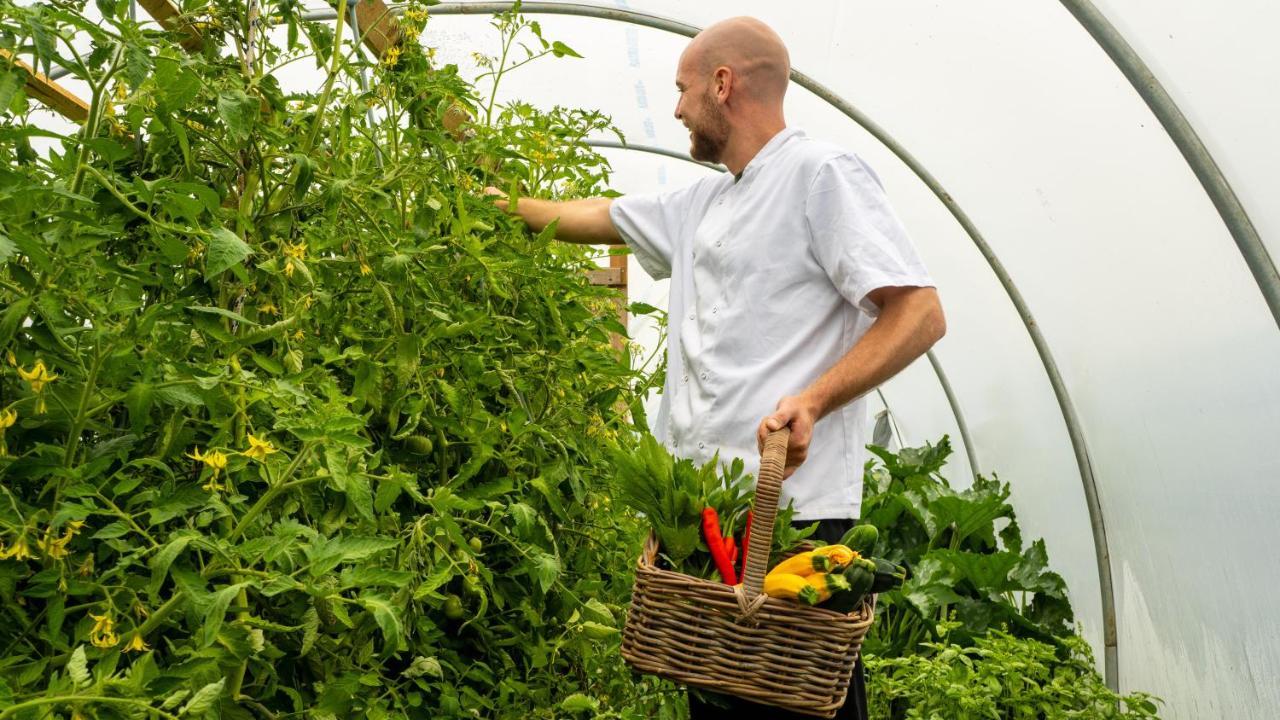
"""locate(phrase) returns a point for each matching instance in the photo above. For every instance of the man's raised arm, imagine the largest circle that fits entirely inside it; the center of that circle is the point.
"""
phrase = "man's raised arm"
(585, 222)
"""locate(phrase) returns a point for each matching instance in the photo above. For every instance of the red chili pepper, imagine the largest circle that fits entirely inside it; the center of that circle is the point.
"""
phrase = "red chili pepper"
(731, 547)
(715, 543)
(746, 542)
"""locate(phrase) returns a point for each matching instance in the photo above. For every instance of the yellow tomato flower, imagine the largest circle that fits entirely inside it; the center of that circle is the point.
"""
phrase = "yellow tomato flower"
(37, 376)
(19, 551)
(53, 548)
(268, 308)
(103, 633)
(364, 268)
(213, 459)
(259, 449)
(7, 419)
(391, 56)
(137, 644)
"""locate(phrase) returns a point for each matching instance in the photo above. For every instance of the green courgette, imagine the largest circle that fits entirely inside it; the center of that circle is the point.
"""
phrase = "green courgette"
(861, 539)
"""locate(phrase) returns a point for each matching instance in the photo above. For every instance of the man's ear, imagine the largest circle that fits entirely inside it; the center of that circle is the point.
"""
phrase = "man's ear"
(723, 79)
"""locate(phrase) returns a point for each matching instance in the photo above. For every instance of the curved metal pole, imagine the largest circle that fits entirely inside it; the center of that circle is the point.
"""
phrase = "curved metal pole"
(1069, 416)
(1189, 144)
(969, 449)
(893, 419)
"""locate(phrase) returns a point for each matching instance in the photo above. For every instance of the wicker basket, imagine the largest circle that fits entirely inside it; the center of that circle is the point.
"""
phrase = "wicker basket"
(737, 640)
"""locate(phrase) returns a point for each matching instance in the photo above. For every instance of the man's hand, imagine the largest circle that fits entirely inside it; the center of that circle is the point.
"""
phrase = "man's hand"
(585, 222)
(800, 412)
(499, 197)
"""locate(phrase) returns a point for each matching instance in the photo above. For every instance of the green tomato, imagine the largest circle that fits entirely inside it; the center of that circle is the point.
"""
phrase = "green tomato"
(453, 607)
(419, 444)
(476, 544)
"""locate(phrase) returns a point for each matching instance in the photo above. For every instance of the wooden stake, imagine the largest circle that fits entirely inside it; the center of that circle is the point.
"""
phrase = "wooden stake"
(380, 28)
(46, 91)
(170, 18)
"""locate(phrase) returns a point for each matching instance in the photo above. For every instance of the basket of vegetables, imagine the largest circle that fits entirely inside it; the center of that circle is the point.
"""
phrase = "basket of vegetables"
(788, 634)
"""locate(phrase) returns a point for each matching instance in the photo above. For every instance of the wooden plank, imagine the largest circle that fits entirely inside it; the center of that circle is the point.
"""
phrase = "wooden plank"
(618, 264)
(380, 28)
(170, 18)
(51, 94)
(610, 277)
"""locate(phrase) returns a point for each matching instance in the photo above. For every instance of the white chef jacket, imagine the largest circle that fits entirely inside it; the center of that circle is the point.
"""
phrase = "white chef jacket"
(769, 279)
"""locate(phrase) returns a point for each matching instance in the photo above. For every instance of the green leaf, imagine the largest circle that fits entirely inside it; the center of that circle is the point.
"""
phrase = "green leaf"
(545, 568)
(559, 49)
(438, 577)
(216, 611)
(164, 557)
(203, 700)
(526, 518)
(239, 111)
(224, 313)
(369, 576)
(578, 702)
(310, 630)
(112, 530)
(138, 401)
(10, 83)
(327, 554)
(386, 617)
(7, 248)
(78, 668)
(598, 610)
(225, 250)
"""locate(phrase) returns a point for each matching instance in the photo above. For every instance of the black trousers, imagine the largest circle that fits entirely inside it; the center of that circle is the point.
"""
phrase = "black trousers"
(854, 708)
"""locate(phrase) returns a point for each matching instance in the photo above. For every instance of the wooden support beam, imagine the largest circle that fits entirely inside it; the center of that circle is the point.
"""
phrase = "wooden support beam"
(609, 277)
(379, 26)
(170, 18)
(46, 91)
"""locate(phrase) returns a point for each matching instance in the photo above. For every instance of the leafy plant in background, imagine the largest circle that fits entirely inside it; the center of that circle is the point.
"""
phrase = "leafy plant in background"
(295, 422)
(998, 676)
(966, 558)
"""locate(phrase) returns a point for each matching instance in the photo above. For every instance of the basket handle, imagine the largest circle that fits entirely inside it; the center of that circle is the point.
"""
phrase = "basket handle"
(768, 487)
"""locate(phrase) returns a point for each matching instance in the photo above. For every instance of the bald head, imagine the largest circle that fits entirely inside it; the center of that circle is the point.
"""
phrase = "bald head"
(753, 52)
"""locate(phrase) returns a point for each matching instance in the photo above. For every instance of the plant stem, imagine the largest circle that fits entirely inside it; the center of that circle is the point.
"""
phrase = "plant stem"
(271, 493)
(77, 425)
(12, 710)
(328, 83)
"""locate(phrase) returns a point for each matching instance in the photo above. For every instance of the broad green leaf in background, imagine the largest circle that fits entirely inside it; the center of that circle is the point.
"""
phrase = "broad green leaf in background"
(225, 250)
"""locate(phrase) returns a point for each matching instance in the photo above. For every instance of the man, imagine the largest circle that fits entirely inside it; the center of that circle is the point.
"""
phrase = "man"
(794, 289)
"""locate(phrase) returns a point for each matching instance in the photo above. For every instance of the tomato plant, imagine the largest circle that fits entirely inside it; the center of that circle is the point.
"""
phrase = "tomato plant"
(294, 421)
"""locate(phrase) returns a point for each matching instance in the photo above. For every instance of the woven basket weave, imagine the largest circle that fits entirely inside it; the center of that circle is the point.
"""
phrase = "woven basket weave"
(737, 640)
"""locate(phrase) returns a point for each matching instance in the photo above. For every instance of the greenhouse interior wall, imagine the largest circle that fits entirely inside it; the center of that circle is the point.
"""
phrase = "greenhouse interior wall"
(1162, 336)
(1161, 333)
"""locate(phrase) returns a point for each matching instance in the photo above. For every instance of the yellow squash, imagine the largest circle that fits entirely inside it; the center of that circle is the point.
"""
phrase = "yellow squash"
(840, 555)
(802, 564)
(790, 587)
(825, 585)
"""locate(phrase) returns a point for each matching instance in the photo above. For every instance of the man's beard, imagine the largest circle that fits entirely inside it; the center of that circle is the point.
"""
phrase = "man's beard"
(708, 142)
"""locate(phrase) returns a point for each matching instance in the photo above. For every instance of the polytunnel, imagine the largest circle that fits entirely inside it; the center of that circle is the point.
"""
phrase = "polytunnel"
(1087, 184)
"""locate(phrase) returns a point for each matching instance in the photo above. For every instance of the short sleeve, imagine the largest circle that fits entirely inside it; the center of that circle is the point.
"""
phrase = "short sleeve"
(650, 225)
(857, 238)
